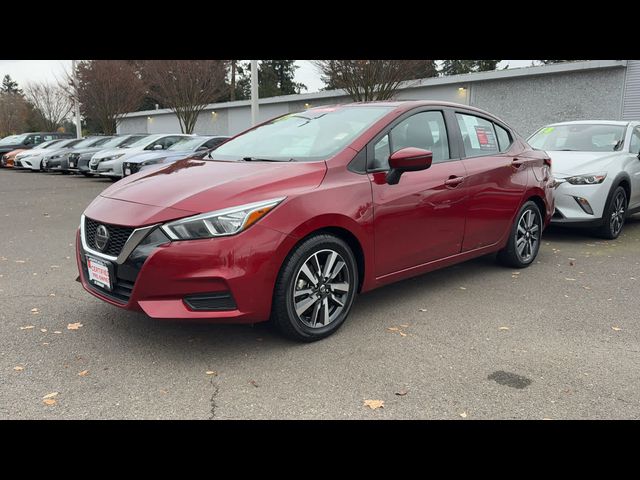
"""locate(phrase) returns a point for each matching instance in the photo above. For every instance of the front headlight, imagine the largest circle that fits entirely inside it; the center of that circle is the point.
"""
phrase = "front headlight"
(112, 157)
(589, 179)
(220, 223)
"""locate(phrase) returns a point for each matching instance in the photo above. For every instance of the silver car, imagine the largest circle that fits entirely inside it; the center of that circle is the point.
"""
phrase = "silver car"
(79, 160)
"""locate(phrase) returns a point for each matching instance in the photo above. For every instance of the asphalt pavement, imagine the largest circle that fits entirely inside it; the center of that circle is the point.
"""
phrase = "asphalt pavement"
(558, 340)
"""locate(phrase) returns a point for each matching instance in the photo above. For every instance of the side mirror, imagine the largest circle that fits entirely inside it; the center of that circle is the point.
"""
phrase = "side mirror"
(157, 147)
(408, 159)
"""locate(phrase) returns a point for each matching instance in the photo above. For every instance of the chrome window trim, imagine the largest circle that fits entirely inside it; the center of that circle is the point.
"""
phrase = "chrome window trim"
(129, 246)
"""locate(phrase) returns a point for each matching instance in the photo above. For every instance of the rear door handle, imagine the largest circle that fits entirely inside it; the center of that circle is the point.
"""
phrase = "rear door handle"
(453, 181)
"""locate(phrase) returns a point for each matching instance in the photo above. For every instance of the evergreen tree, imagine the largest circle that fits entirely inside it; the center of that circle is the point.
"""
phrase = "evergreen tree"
(10, 86)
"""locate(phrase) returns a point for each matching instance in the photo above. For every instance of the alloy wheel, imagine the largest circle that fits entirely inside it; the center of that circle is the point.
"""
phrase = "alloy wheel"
(321, 288)
(617, 213)
(527, 235)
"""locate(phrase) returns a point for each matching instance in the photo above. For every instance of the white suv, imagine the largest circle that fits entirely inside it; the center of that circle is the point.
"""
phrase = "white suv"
(596, 166)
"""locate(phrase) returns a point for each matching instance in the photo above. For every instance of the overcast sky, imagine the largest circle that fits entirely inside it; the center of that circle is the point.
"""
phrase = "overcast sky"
(24, 71)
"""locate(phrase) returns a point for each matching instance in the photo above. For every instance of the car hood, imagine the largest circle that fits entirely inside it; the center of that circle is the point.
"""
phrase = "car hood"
(100, 154)
(199, 186)
(574, 163)
(140, 157)
(60, 151)
(87, 150)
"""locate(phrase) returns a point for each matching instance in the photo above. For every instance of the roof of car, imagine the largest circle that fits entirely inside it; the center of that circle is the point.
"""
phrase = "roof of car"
(590, 122)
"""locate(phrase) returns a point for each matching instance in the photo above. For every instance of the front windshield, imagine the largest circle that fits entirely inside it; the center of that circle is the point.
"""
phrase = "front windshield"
(591, 137)
(310, 135)
(143, 142)
(187, 144)
(116, 142)
(89, 142)
(11, 139)
(48, 144)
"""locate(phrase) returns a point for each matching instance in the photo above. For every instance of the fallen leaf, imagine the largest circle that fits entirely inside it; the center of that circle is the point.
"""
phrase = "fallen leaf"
(55, 266)
(51, 395)
(402, 392)
(57, 331)
(402, 334)
(211, 372)
(404, 325)
(45, 343)
(463, 288)
(374, 404)
(52, 294)
(570, 279)
(49, 402)
(393, 329)
(83, 373)
(74, 326)
(27, 327)
(254, 383)
(463, 414)
(18, 368)
(503, 328)
(617, 329)
(43, 330)
(515, 273)
(423, 309)
(20, 261)
(34, 310)
(164, 392)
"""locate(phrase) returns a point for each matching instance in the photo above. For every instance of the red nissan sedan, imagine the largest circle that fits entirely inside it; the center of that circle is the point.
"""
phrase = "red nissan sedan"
(289, 220)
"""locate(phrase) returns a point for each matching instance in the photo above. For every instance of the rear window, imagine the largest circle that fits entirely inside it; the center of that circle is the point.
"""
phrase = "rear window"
(478, 135)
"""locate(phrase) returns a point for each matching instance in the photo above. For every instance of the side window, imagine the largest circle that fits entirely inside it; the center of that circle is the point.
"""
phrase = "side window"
(424, 130)
(214, 142)
(504, 138)
(635, 141)
(37, 140)
(48, 137)
(168, 141)
(478, 135)
(381, 153)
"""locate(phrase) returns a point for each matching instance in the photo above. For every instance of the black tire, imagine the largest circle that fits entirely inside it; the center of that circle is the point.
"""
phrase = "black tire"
(614, 215)
(511, 256)
(284, 316)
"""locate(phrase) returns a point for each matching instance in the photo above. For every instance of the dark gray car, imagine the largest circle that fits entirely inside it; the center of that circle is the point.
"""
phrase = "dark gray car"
(58, 161)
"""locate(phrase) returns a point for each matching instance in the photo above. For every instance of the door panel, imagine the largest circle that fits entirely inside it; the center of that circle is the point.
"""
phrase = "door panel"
(495, 186)
(420, 219)
(634, 163)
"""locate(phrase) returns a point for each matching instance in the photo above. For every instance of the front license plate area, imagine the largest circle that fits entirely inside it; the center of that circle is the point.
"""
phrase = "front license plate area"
(99, 272)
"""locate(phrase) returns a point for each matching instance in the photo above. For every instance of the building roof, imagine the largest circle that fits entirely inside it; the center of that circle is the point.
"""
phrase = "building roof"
(425, 82)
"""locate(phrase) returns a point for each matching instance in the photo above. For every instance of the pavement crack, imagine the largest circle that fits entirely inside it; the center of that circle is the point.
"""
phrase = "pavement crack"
(212, 401)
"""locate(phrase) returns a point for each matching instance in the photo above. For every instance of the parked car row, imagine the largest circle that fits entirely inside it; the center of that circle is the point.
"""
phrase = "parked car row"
(105, 155)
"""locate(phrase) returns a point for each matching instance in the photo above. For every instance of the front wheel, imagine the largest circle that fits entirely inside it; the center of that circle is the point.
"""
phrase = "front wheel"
(315, 288)
(524, 238)
(614, 215)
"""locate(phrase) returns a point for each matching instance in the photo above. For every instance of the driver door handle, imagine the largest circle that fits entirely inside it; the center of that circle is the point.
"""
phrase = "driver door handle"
(453, 181)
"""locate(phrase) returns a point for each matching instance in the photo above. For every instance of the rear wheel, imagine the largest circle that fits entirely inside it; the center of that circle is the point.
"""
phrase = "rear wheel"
(524, 238)
(315, 289)
(614, 215)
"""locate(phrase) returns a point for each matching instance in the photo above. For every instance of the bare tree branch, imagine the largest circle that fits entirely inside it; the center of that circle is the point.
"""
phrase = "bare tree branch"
(107, 90)
(185, 86)
(370, 80)
(51, 101)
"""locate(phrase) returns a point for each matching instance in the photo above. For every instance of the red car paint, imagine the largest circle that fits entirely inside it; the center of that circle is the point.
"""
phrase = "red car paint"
(449, 213)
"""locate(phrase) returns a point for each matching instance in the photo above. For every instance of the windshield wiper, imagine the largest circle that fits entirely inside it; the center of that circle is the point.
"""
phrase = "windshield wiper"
(259, 159)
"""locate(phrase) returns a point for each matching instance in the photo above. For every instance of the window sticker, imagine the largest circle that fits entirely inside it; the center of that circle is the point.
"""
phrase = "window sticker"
(486, 138)
(547, 130)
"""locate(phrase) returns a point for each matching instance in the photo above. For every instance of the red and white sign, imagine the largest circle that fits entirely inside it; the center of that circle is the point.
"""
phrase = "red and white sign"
(98, 273)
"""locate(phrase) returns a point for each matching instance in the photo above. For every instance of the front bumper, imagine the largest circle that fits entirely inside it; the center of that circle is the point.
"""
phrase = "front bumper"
(568, 210)
(244, 266)
(80, 165)
(111, 168)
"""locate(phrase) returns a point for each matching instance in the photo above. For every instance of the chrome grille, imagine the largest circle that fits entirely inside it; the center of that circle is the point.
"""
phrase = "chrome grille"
(118, 236)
